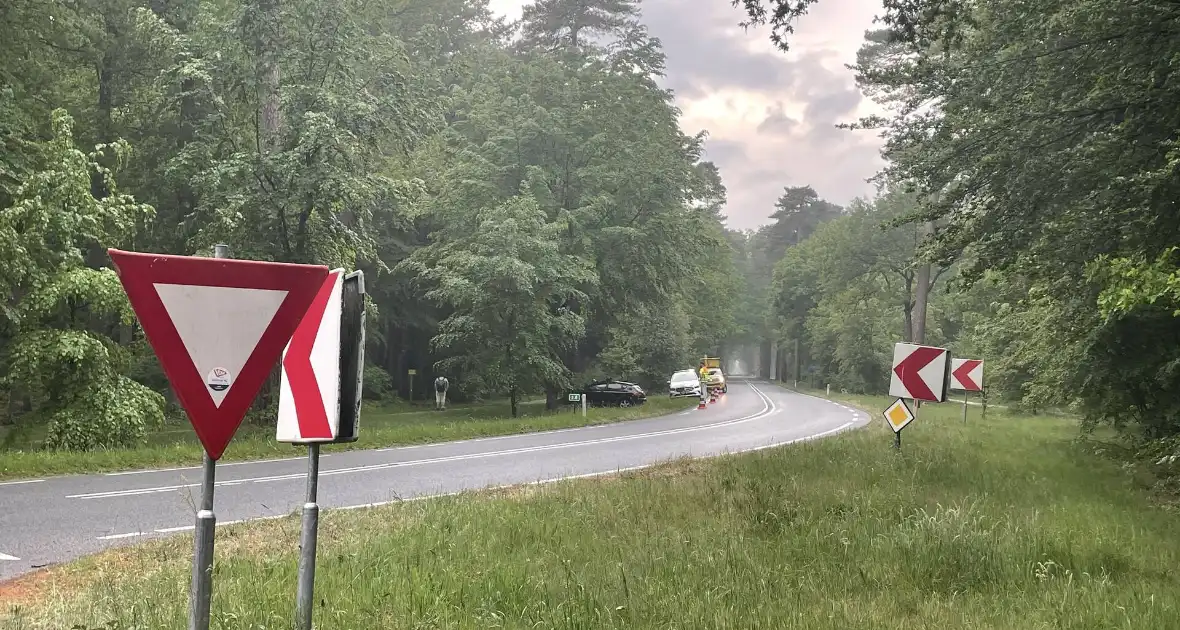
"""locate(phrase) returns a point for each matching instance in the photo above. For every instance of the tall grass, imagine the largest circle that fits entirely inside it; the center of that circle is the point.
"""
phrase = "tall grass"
(999, 524)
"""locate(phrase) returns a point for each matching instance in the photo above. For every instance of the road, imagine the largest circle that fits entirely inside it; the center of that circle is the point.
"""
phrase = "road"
(48, 521)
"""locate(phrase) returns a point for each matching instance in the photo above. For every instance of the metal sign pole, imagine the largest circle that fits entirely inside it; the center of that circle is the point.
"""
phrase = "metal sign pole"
(583, 404)
(965, 406)
(201, 590)
(307, 542)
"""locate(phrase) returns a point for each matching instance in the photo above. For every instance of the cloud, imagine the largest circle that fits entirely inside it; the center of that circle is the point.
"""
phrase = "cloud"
(771, 116)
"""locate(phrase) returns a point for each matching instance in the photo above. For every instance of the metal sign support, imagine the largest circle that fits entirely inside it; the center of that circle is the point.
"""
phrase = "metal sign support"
(201, 590)
(307, 542)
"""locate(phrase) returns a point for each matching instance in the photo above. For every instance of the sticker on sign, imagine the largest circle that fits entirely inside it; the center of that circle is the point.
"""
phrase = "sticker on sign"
(919, 372)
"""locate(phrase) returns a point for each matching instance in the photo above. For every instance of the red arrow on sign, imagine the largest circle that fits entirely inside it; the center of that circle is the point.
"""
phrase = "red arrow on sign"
(305, 387)
(963, 374)
(908, 369)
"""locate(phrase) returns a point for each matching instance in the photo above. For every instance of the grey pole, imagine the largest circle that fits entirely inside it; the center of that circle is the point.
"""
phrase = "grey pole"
(201, 590)
(307, 542)
(583, 404)
(796, 363)
(964, 405)
(202, 586)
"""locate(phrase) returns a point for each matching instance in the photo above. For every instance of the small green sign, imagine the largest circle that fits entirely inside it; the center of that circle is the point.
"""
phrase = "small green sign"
(412, 372)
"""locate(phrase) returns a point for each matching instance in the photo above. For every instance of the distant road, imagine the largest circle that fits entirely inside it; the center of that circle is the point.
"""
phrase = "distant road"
(47, 521)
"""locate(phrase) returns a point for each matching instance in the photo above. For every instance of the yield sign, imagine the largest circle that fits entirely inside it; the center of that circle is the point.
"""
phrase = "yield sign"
(919, 372)
(967, 375)
(309, 394)
(217, 326)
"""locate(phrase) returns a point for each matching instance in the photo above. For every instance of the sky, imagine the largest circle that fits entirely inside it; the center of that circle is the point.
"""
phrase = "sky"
(770, 115)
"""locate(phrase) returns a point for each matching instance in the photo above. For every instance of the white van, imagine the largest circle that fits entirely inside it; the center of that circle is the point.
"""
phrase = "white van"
(684, 383)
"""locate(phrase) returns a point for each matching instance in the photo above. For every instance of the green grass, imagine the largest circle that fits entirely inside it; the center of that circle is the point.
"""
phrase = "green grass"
(1001, 523)
(178, 445)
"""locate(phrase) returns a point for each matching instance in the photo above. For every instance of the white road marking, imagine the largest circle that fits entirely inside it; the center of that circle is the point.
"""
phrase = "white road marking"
(4, 556)
(532, 483)
(219, 465)
(118, 536)
(169, 530)
(767, 408)
(17, 483)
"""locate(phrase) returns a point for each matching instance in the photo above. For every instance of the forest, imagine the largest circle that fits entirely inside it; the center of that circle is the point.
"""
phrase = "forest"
(1032, 165)
(530, 214)
(521, 197)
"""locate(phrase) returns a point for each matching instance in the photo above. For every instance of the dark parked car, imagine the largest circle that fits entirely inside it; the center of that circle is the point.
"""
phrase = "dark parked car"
(609, 394)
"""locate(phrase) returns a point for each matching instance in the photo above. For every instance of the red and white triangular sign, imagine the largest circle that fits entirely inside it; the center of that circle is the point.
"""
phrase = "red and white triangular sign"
(217, 325)
(309, 390)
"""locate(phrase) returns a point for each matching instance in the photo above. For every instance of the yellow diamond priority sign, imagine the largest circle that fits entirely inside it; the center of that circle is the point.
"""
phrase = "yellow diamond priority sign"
(898, 415)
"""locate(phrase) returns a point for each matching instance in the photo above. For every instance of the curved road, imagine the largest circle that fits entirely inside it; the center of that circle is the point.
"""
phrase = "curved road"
(46, 521)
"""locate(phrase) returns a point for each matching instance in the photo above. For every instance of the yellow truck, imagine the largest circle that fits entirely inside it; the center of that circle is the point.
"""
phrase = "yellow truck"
(716, 376)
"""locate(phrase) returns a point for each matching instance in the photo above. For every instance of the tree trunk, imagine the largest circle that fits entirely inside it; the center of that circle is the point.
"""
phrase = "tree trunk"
(266, 50)
(104, 124)
(907, 308)
(922, 291)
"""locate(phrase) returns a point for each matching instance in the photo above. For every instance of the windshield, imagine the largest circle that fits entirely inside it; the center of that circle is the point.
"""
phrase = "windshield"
(684, 377)
(714, 371)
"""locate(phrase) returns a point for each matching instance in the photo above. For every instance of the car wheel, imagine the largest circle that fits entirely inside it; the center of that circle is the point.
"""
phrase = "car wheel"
(626, 402)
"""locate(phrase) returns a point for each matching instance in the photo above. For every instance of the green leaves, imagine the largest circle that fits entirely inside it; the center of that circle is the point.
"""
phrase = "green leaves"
(56, 305)
(510, 289)
(1130, 284)
(520, 212)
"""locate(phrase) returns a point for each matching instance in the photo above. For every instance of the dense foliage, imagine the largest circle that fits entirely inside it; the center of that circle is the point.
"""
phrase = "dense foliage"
(1037, 144)
(521, 196)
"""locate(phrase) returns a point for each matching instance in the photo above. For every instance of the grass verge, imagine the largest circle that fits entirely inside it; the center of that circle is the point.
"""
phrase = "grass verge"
(379, 428)
(1000, 524)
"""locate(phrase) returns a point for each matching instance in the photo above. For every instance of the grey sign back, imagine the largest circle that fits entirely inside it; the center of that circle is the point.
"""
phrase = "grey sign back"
(352, 356)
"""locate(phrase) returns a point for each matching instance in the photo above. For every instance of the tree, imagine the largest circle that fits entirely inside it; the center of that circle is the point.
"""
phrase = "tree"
(573, 25)
(57, 308)
(503, 279)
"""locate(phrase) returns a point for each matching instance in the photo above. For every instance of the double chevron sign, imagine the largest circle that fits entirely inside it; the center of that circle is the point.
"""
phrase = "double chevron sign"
(926, 374)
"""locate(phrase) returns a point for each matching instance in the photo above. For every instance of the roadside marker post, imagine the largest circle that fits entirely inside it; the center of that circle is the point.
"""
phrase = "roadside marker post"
(320, 398)
(967, 375)
(217, 327)
(580, 396)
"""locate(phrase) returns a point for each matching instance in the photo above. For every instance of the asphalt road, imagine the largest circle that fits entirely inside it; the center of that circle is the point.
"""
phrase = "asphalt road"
(47, 521)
